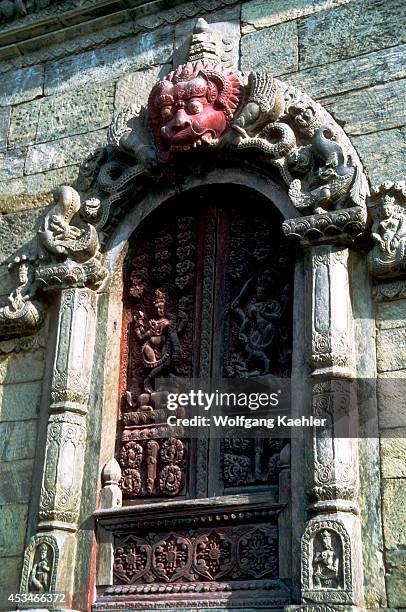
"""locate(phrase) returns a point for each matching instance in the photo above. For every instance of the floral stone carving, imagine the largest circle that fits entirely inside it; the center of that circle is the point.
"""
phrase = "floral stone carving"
(388, 209)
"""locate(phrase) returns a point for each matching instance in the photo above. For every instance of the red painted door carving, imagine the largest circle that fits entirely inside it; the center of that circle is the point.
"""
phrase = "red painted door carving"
(207, 293)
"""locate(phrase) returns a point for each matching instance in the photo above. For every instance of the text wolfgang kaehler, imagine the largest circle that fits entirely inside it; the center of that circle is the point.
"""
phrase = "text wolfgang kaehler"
(212, 401)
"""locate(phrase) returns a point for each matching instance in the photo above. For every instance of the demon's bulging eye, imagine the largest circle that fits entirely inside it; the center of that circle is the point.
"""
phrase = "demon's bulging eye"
(166, 113)
(194, 107)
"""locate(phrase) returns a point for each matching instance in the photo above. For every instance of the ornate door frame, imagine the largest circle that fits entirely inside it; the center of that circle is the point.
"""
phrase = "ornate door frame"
(81, 267)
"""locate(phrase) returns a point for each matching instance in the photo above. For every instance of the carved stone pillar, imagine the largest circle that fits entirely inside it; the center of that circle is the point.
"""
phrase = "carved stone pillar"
(332, 337)
(55, 542)
(331, 572)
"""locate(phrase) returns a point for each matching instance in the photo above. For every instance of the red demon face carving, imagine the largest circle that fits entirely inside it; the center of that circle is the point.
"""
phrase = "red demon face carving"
(192, 106)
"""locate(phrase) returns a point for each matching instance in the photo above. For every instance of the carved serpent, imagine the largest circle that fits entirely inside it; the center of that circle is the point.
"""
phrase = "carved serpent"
(114, 176)
(285, 144)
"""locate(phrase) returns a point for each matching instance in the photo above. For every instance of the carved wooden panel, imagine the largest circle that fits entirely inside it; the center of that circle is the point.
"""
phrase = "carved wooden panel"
(201, 555)
(208, 293)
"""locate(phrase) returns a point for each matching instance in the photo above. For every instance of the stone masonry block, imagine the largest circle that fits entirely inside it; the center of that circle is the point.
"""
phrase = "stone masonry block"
(392, 399)
(134, 88)
(20, 401)
(272, 50)
(391, 349)
(33, 191)
(75, 112)
(394, 513)
(259, 14)
(21, 367)
(10, 570)
(351, 30)
(17, 440)
(393, 455)
(63, 152)
(12, 164)
(355, 73)
(16, 230)
(391, 314)
(13, 525)
(21, 85)
(396, 589)
(4, 125)
(24, 124)
(370, 110)
(383, 154)
(109, 62)
(15, 478)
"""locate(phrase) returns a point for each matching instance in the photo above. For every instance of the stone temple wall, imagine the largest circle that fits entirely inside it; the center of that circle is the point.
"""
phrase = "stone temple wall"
(68, 67)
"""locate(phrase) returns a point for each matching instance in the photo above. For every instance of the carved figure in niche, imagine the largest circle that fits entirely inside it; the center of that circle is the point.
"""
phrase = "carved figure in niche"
(388, 257)
(259, 323)
(160, 340)
(326, 564)
(331, 175)
(41, 570)
(192, 106)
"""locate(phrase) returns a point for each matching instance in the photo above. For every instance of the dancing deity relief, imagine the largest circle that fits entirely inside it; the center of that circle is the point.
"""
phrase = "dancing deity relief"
(259, 322)
(160, 342)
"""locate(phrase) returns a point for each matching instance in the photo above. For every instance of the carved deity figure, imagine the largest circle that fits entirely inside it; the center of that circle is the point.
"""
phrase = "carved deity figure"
(325, 564)
(41, 570)
(388, 257)
(259, 322)
(192, 106)
(159, 338)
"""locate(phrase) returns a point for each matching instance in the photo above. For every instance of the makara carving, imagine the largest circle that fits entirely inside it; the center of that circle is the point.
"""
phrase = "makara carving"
(70, 247)
(387, 259)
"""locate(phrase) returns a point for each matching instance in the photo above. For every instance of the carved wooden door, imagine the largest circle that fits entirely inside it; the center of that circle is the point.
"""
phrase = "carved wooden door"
(207, 293)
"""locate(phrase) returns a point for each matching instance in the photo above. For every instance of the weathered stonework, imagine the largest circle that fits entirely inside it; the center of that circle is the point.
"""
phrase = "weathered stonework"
(333, 31)
(75, 112)
(107, 63)
(273, 49)
(22, 85)
(64, 152)
(62, 88)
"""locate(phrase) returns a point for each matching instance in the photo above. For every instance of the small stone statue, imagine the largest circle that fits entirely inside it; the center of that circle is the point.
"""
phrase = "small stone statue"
(325, 564)
(41, 570)
(388, 256)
